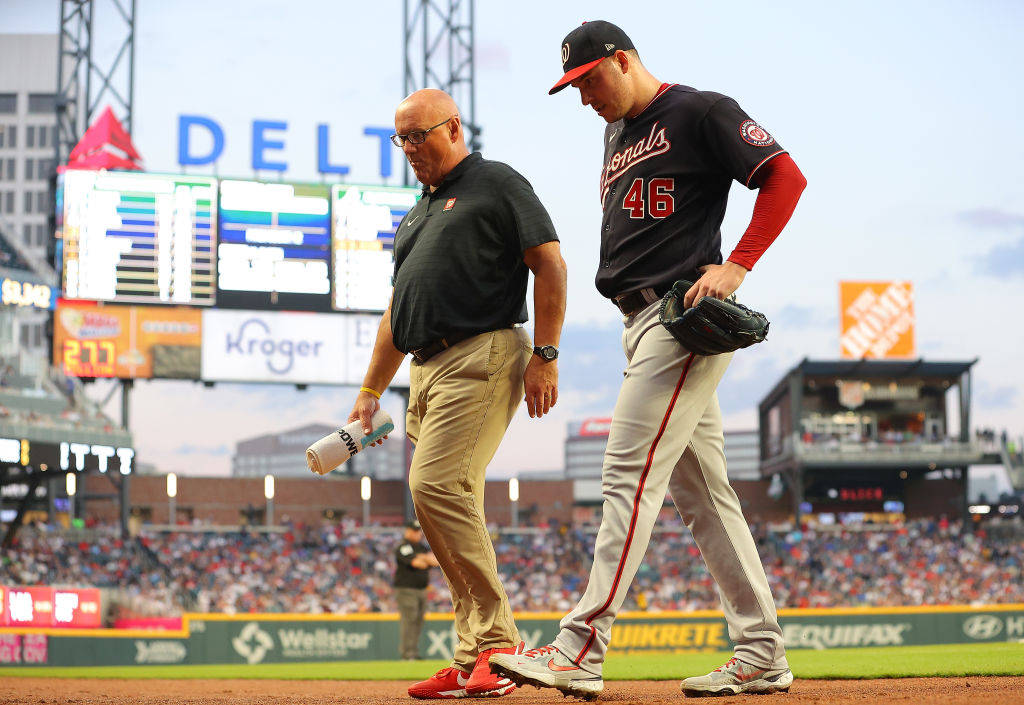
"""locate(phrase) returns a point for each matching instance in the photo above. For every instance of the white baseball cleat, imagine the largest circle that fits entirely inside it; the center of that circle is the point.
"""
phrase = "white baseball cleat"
(735, 677)
(546, 667)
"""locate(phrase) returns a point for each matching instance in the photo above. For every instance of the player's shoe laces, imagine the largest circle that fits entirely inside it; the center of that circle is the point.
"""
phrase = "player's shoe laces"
(483, 683)
(547, 667)
(447, 683)
(735, 677)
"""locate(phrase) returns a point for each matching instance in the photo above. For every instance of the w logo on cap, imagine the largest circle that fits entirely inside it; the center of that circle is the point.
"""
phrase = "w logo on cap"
(587, 46)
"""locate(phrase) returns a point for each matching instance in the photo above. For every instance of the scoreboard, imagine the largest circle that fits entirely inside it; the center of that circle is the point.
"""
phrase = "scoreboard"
(365, 221)
(144, 238)
(275, 239)
(142, 256)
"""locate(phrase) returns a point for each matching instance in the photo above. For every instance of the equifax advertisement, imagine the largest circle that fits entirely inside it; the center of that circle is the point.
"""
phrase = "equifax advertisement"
(50, 607)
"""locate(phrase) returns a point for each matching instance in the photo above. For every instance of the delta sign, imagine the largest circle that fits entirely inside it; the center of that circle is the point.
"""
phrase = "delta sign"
(267, 139)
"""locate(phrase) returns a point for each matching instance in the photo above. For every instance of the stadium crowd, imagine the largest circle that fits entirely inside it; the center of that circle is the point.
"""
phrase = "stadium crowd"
(340, 569)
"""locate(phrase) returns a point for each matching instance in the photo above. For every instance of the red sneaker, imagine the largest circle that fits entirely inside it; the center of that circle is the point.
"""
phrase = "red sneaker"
(447, 683)
(484, 684)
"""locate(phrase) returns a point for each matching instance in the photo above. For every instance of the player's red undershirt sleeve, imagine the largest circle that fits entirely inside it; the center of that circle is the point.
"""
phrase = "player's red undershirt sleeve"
(780, 184)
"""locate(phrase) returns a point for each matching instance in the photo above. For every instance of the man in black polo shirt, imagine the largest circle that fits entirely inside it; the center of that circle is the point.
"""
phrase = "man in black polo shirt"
(462, 259)
(413, 561)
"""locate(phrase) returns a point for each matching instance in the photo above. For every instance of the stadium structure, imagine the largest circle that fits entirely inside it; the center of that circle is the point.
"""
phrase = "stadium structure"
(854, 482)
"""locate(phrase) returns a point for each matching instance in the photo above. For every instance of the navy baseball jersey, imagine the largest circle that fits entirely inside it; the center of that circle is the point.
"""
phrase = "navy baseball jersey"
(665, 184)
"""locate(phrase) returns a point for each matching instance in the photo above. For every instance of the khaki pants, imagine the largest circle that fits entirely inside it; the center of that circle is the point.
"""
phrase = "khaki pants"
(412, 605)
(461, 402)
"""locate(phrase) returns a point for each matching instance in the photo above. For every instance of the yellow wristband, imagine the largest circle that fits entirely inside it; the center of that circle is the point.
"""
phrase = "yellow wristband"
(374, 392)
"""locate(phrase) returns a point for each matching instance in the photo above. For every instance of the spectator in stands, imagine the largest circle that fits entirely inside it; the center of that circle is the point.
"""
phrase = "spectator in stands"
(329, 569)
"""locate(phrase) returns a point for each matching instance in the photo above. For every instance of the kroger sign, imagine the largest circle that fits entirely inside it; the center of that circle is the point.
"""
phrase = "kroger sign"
(291, 347)
(268, 139)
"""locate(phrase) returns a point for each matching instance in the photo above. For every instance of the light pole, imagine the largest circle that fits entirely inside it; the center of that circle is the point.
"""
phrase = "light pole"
(71, 485)
(172, 492)
(513, 497)
(365, 493)
(268, 492)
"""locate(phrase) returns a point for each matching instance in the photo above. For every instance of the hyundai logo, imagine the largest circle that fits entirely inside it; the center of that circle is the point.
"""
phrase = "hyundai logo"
(983, 626)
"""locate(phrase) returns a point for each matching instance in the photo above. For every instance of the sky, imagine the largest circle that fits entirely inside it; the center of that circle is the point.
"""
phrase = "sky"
(904, 117)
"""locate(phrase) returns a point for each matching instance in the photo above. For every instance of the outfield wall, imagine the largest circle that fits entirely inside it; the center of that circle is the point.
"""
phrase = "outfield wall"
(283, 638)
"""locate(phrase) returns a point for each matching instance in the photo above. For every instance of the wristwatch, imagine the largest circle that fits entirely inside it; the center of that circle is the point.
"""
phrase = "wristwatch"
(547, 352)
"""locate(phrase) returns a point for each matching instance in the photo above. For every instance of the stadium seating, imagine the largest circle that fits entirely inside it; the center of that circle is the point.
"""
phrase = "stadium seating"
(339, 569)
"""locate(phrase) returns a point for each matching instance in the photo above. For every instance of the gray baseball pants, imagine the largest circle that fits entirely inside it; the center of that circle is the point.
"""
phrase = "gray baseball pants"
(666, 435)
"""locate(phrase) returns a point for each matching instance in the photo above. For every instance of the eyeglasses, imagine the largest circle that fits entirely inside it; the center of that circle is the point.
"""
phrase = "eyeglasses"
(418, 136)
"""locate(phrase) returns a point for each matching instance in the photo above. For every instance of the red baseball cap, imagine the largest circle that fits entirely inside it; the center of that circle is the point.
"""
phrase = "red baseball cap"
(587, 46)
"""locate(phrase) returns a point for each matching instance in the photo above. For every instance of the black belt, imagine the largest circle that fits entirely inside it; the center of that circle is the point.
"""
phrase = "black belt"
(423, 354)
(634, 302)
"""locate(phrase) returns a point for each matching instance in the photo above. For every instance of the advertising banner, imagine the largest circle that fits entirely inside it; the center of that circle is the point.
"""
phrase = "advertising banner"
(128, 342)
(76, 607)
(876, 319)
(50, 607)
(66, 455)
(255, 638)
(16, 292)
(29, 606)
(291, 347)
(596, 427)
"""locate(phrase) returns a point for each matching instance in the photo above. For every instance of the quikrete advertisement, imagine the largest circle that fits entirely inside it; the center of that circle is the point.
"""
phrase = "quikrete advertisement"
(253, 638)
(663, 637)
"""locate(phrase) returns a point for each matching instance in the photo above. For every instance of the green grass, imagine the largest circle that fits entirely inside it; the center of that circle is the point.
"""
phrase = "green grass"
(1000, 659)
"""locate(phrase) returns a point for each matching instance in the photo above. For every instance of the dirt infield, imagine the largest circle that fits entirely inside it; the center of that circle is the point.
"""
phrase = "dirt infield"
(49, 691)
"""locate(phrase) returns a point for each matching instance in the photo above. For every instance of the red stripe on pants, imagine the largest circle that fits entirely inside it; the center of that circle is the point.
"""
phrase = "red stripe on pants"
(636, 509)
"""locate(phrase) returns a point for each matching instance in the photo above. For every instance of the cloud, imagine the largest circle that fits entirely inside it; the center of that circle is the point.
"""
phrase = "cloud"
(591, 363)
(191, 449)
(795, 316)
(990, 396)
(493, 56)
(1003, 260)
(751, 375)
(991, 218)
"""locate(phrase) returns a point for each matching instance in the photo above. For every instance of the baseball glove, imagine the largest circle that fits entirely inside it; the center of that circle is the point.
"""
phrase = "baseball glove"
(711, 327)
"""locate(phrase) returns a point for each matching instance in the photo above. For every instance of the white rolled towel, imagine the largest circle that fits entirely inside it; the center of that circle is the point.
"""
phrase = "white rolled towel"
(334, 449)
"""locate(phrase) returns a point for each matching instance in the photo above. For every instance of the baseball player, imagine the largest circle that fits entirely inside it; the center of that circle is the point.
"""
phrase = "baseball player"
(670, 155)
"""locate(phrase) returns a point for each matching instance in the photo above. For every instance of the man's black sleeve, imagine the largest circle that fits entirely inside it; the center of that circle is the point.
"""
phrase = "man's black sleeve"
(530, 219)
(737, 142)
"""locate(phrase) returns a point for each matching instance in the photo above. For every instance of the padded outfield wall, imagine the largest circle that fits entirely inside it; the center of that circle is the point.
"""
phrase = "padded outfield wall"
(283, 638)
